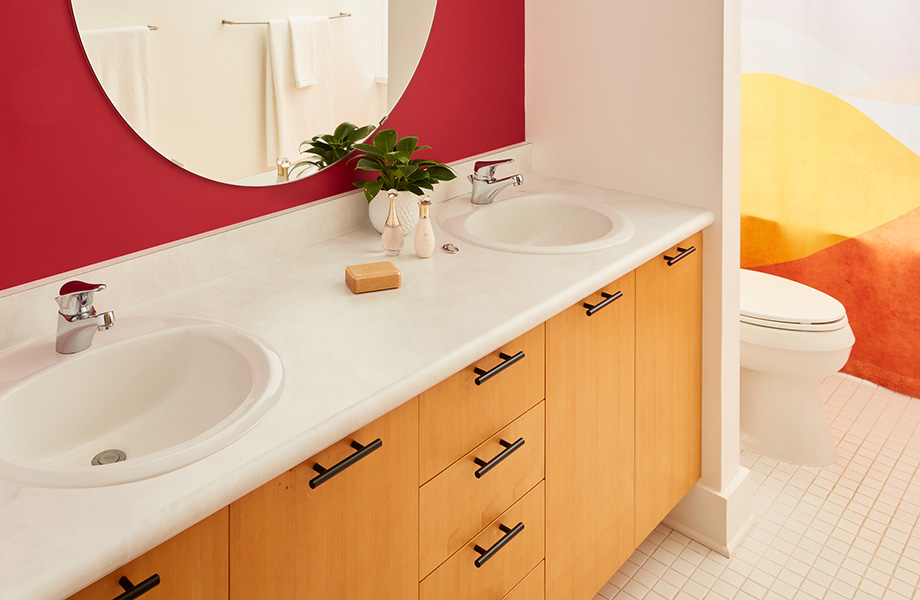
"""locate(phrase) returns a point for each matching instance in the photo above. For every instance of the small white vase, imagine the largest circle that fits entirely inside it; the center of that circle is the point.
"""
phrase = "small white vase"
(406, 210)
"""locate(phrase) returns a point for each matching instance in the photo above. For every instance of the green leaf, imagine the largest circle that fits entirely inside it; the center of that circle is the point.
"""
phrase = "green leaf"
(402, 156)
(320, 145)
(359, 134)
(385, 139)
(408, 144)
(372, 150)
(344, 129)
(415, 189)
(371, 189)
(407, 170)
(440, 173)
(367, 164)
(425, 184)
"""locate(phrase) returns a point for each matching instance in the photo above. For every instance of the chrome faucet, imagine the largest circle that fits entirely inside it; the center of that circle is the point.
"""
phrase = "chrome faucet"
(78, 320)
(485, 186)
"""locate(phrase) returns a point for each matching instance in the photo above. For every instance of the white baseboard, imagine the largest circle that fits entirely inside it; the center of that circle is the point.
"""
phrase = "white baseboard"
(717, 519)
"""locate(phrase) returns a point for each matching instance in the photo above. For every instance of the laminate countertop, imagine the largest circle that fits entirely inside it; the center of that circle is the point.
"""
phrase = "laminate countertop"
(348, 359)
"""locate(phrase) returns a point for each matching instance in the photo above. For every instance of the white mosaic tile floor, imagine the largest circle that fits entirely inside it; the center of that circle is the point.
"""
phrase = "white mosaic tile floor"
(845, 532)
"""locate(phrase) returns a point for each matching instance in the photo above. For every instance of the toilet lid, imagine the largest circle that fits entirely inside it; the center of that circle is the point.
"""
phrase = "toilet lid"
(772, 301)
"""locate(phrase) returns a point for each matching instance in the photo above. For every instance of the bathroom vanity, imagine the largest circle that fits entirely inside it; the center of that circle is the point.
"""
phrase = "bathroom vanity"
(541, 466)
(502, 426)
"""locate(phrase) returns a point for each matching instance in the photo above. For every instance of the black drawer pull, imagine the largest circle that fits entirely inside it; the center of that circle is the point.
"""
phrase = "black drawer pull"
(486, 554)
(508, 361)
(684, 252)
(327, 474)
(485, 467)
(136, 591)
(608, 299)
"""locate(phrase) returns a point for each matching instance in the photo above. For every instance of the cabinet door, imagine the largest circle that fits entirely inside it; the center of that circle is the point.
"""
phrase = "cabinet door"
(590, 373)
(668, 381)
(191, 566)
(354, 536)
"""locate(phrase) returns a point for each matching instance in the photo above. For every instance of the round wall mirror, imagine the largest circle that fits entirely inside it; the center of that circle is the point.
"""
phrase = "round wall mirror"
(225, 89)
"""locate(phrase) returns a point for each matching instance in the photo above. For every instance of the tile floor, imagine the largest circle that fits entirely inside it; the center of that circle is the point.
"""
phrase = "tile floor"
(845, 532)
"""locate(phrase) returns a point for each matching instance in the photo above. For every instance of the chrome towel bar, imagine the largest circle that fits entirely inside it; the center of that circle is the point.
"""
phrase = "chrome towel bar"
(229, 22)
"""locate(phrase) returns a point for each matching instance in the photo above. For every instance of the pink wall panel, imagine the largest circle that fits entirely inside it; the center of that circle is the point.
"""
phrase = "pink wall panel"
(79, 187)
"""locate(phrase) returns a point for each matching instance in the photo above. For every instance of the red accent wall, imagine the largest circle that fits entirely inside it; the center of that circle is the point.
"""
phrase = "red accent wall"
(79, 187)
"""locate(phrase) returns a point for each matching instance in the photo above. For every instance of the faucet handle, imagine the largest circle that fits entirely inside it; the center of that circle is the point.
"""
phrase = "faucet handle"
(76, 297)
(485, 169)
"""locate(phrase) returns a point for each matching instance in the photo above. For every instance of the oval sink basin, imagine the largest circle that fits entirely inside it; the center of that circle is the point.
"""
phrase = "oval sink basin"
(537, 223)
(157, 395)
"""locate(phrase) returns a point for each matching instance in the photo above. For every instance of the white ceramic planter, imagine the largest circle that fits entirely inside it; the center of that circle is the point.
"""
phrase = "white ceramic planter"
(406, 210)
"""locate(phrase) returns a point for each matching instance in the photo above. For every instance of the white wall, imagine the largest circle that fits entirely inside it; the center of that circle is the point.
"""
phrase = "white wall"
(645, 97)
(207, 82)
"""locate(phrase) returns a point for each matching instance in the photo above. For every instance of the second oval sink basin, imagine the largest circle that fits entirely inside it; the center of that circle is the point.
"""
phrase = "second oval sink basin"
(153, 400)
(537, 223)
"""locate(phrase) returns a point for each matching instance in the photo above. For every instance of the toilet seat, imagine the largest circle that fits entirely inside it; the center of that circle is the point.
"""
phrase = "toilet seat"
(832, 326)
(777, 303)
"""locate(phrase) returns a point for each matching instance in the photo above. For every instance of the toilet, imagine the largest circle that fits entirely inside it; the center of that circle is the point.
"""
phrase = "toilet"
(792, 337)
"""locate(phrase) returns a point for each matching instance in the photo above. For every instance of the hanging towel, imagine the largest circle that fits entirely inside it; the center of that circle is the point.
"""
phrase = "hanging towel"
(294, 115)
(310, 40)
(121, 59)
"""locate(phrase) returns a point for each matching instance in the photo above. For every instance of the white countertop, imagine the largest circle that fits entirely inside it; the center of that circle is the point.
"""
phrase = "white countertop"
(348, 360)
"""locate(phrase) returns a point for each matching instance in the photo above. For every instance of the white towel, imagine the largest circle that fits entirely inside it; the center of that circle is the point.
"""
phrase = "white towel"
(121, 59)
(294, 115)
(310, 40)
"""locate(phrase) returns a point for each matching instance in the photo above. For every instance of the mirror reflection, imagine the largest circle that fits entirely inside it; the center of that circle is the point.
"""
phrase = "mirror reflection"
(225, 88)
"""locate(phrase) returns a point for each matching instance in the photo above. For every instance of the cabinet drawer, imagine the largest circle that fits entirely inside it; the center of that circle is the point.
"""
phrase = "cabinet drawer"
(456, 415)
(459, 578)
(456, 504)
(529, 589)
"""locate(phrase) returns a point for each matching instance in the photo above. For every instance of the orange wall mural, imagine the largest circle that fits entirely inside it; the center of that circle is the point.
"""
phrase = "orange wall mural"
(830, 192)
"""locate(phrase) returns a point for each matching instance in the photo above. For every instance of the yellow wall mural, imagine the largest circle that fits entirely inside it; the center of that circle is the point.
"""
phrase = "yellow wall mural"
(830, 192)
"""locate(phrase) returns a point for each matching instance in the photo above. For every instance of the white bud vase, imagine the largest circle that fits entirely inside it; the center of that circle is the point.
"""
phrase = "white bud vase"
(406, 210)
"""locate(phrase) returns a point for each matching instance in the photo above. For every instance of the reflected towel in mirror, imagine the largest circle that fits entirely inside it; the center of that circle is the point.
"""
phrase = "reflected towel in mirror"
(295, 114)
(310, 40)
(121, 59)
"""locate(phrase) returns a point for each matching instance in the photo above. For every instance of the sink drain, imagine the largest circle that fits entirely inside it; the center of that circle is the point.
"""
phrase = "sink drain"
(107, 457)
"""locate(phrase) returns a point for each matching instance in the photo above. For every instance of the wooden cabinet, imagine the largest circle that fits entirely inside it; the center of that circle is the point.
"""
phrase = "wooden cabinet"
(589, 442)
(191, 566)
(396, 511)
(668, 381)
(531, 588)
(352, 537)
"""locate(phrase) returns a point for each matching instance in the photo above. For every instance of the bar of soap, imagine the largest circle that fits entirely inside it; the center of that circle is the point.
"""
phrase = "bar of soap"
(372, 277)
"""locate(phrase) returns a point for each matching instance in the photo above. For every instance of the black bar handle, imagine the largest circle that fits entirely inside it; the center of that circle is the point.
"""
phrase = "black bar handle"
(327, 474)
(485, 467)
(608, 299)
(136, 591)
(485, 554)
(684, 252)
(508, 361)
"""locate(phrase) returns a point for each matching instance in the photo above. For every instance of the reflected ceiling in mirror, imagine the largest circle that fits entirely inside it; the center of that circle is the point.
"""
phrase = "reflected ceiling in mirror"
(224, 88)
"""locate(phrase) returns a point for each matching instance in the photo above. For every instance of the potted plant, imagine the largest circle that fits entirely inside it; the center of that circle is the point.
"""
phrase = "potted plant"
(329, 148)
(391, 158)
